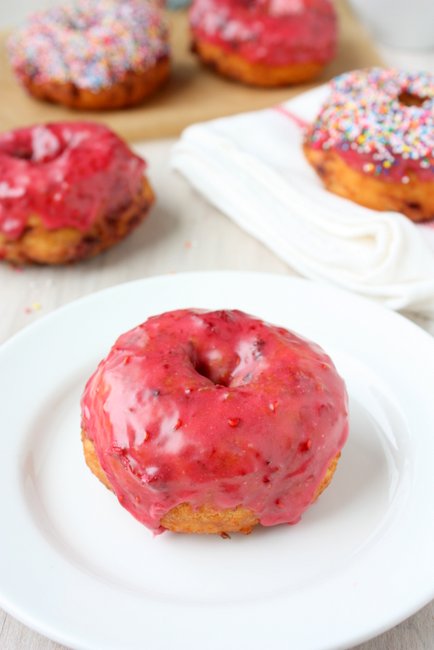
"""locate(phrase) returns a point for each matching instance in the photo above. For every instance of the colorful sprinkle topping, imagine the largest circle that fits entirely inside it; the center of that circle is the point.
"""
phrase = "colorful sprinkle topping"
(91, 43)
(384, 116)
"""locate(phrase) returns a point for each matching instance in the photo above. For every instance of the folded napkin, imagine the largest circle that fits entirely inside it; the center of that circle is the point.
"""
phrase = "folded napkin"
(252, 168)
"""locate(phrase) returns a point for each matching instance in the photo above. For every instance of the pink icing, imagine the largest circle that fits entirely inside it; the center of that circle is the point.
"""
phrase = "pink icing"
(399, 172)
(273, 32)
(217, 408)
(368, 121)
(68, 173)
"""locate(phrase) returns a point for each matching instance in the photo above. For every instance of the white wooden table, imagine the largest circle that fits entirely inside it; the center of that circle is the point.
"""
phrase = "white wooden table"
(183, 233)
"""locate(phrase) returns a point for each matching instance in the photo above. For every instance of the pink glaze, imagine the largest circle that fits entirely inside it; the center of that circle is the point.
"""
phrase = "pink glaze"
(272, 32)
(366, 121)
(215, 408)
(68, 173)
(399, 172)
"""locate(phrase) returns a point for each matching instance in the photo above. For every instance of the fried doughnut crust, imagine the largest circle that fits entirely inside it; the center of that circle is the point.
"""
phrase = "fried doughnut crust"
(415, 199)
(133, 89)
(64, 245)
(254, 74)
(206, 519)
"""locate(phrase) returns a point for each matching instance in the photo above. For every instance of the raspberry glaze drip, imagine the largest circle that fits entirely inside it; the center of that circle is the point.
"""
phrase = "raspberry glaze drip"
(273, 32)
(69, 174)
(217, 408)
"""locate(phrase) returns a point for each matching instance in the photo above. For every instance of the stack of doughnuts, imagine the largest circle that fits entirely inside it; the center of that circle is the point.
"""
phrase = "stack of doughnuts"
(214, 422)
(265, 42)
(93, 54)
(373, 141)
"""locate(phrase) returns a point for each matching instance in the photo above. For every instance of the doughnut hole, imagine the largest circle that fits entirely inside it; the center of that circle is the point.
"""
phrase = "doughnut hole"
(37, 146)
(22, 151)
(226, 367)
(80, 21)
(214, 366)
(409, 99)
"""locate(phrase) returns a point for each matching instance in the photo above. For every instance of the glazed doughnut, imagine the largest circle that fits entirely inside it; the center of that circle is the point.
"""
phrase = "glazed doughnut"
(92, 54)
(213, 422)
(68, 191)
(373, 141)
(264, 42)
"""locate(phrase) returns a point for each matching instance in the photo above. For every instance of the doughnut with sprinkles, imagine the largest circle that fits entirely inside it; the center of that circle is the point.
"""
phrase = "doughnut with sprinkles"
(92, 54)
(373, 140)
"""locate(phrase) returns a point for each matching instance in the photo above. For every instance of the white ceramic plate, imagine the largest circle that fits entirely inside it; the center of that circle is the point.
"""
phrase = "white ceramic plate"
(77, 567)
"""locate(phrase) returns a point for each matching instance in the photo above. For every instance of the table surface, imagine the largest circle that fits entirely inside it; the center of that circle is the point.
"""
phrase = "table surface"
(183, 233)
(176, 237)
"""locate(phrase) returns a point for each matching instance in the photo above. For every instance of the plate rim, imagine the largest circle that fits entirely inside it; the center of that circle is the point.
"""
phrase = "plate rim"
(370, 303)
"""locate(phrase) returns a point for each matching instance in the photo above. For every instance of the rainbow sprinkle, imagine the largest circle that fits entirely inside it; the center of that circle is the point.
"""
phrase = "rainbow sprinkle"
(35, 306)
(90, 43)
(366, 113)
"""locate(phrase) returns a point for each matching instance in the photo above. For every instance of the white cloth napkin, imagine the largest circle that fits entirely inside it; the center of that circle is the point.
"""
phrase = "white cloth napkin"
(252, 168)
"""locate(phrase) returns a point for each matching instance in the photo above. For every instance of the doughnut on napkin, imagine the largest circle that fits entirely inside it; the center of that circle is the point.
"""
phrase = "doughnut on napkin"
(252, 168)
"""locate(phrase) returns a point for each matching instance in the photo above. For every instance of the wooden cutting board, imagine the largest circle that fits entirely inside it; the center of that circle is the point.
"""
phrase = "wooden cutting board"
(193, 93)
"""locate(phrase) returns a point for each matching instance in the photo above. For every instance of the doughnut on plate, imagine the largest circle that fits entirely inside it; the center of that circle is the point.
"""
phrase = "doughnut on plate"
(79, 569)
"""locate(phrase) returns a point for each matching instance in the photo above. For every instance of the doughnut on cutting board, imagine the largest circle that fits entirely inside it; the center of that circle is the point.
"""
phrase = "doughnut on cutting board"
(193, 94)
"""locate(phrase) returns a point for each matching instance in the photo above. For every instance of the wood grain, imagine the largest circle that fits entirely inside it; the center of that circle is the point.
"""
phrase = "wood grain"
(193, 93)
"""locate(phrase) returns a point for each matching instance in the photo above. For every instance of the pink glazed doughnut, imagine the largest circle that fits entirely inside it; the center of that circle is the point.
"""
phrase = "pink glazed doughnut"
(213, 422)
(373, 140)
(68, 191)
(265, 42)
